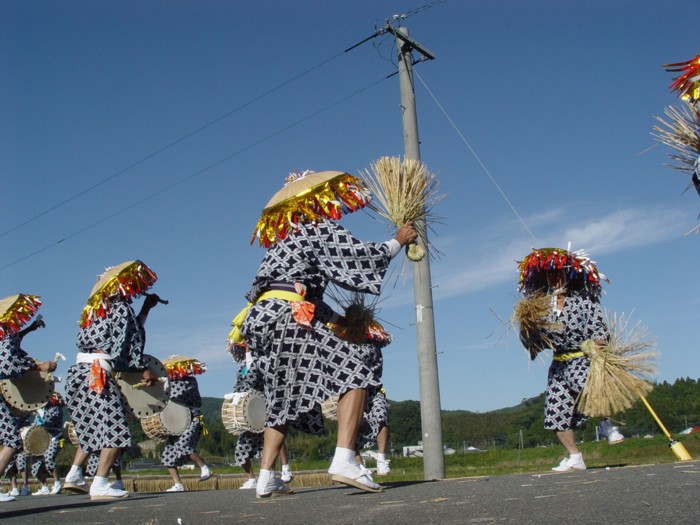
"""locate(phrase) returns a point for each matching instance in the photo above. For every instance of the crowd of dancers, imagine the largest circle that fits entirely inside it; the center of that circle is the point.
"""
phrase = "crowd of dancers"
(301, 351)
(292, 348)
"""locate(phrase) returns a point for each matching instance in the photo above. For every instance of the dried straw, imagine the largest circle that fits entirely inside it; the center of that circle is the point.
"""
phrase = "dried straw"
(621, 370)
(681, 133)
(403, 191)
(530, 317)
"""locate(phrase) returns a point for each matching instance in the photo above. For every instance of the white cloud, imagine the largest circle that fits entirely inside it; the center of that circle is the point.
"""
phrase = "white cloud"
(473, 265)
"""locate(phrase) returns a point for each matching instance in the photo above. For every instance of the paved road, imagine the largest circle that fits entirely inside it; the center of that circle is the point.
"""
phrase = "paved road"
(650, 494)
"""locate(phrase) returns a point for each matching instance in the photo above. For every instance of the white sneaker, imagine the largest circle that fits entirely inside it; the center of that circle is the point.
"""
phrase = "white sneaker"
(615, 436)
(353, 475)
(287, 475)
(206, 473)
(106, 493)
(56, 489)
(383, 467)
(6, 497)
(570, 463)
(178, 487)
(250, 484)
(24, 491)
(76, 484)
(272, 486)
(14, 492)
(118, 484)
(43, 491)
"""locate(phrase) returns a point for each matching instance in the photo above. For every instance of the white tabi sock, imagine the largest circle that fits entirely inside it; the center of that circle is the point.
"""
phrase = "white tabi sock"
(381, 456)
(74, 471)
(99, 482)
(344, 454)
(576, 456)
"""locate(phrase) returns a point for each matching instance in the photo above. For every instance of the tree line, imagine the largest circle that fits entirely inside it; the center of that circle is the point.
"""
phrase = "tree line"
(676, 404)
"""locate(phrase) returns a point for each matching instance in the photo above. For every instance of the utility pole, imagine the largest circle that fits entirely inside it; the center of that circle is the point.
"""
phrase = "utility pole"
(431, 420)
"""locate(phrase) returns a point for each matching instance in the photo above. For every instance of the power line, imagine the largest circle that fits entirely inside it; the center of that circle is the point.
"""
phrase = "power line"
(488, 173)
(198, 172)
(170, 145)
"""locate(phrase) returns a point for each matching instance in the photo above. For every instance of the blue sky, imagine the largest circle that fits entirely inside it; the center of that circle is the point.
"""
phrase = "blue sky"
(553, 100)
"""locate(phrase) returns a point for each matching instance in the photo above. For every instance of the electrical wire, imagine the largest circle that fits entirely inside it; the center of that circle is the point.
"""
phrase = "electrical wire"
(198, 172)
(483, 166)
(169, 145)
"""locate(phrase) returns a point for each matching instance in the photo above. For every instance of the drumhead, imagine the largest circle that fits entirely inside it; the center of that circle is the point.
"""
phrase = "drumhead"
(175, 418)
(256, 413)
(36, 440)
(143, 401)
(243, 412)
(29, 392)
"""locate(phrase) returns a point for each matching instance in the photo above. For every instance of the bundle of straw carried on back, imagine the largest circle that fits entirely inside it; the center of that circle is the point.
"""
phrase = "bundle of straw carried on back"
(621, 370)
(531, 319)
(358, 323)
(681, 132)
(403, 191)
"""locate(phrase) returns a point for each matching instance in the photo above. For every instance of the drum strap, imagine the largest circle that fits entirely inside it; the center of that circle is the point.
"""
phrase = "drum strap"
(235, 336)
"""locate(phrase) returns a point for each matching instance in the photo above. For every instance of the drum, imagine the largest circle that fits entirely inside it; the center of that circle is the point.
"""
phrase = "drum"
(330, 408)
(29, 392)
(243, 412)
(143, 401)
(69, 432)
(173, 420)
(36, 440)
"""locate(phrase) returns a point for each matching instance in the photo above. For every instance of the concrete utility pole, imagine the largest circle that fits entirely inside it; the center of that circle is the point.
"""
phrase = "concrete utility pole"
(431, 421)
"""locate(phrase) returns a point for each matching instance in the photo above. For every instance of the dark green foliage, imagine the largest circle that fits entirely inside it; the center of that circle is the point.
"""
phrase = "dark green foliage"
(677, 405)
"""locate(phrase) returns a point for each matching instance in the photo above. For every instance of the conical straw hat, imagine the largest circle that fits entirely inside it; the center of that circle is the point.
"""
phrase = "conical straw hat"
(309, 196)
(179, 366)
(15, 311)
(128, 279)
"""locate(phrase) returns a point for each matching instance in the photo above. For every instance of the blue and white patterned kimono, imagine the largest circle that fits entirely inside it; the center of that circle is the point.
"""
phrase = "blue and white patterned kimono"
(51, 418)
(100, 419)
(177, 449)
(301, 366)
(14, 362)
(581, 318)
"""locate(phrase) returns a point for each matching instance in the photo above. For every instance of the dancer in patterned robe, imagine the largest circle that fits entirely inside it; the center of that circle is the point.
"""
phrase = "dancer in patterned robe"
(374, 429)
(180, 449)
(15, 311)
(249, 444)
(19, 465)
(360, 326)
(302, 361)
(111, 338)
(573, 282)
(51, 418)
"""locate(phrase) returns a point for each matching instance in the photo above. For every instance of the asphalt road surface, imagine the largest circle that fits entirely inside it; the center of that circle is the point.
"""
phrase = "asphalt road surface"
(648, 494)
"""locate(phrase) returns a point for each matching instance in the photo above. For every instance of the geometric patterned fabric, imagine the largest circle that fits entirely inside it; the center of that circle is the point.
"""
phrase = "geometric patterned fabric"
(177, 449)
(301, 367)
(581, 319)
(565, 381)
(100, 419)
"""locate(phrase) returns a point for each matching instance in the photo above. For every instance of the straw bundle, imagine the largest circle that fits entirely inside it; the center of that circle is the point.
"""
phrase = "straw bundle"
(620, 370)
(530, 317)
(681, 133)
(359, 323)
(403, 191)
